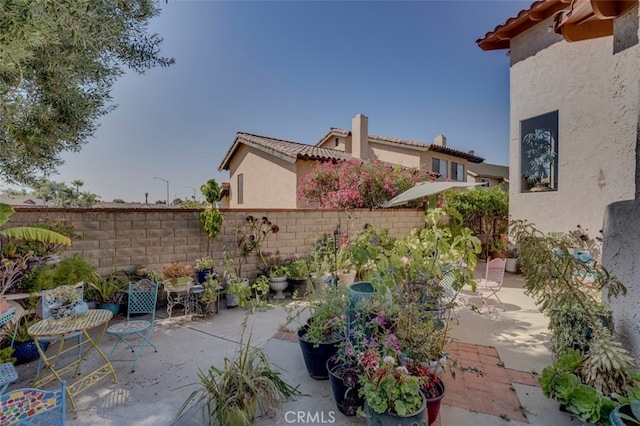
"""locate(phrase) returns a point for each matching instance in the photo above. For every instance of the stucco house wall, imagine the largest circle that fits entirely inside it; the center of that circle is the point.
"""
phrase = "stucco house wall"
(621, 251)
(596, 158)
(259, 171)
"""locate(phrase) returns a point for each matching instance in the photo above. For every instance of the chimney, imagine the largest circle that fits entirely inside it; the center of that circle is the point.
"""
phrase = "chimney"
(440, 140)
(360, 137)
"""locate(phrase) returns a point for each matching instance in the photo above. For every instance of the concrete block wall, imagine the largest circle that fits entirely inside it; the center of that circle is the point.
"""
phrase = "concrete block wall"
(116, 239)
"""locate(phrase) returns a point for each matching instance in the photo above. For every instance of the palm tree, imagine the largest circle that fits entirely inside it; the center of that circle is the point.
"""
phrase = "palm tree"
(77, 183)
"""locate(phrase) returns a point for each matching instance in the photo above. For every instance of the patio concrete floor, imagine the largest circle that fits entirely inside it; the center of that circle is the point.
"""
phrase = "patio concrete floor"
(497, 355)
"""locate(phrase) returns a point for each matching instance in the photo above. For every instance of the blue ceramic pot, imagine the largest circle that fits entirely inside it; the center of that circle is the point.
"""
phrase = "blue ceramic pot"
(25, 352)
(113, 307)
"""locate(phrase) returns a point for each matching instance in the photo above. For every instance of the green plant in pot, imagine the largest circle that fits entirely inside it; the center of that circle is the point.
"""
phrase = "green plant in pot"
(204, 265)
(108, 292)
(232, 392)
(320, 336)
(297, 271)
(24, 348)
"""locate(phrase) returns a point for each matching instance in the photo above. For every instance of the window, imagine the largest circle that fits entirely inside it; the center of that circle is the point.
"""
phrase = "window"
(240, 189)
(539, 153)
(337, 141)
(486, 183)
(439, 166)
(457, 171)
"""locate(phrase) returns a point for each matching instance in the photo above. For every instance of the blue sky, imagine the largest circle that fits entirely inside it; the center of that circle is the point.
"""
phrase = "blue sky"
(291, 70)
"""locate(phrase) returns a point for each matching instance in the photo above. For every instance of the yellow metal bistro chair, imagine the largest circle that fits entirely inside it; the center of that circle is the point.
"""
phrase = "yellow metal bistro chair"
(142, 300)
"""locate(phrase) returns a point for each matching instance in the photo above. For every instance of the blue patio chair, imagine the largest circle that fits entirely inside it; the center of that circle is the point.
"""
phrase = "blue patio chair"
(29, 406)
(143, 296)
(48, 299)
(8, 373)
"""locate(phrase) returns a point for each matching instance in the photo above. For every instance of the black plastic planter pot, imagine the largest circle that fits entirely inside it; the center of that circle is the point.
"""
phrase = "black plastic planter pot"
(315, 358)
(347, 399)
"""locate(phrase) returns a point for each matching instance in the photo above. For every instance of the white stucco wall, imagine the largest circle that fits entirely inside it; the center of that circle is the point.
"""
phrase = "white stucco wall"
(621, 251)
(596, 158)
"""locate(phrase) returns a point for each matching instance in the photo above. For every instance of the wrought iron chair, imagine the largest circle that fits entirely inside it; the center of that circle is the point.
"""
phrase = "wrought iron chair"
(143, 296)
(48, 300)
(30, 406)
(491, 284)
(8, 373)
(450, 293)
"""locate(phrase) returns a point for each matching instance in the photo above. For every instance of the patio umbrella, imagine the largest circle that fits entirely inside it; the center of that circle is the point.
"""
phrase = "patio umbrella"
(424, 189)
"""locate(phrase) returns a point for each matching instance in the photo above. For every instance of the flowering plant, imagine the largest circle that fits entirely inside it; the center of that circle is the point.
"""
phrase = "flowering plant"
(354, 183)
(388, 387)
(250, 238)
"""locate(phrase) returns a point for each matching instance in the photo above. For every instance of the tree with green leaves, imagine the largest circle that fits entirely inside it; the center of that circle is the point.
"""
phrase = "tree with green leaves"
(59, 194)
(77, 183)
(58, 62)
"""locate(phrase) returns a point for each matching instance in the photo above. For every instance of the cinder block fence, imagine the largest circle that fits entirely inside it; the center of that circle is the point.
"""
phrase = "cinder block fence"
(116, 239)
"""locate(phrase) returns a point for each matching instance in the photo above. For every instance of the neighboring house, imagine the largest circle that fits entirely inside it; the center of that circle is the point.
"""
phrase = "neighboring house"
(489, 174)
(265, 172)
(575, 133)
(22, 200)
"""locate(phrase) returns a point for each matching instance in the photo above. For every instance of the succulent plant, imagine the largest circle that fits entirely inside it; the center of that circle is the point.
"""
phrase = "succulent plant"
(607, 365)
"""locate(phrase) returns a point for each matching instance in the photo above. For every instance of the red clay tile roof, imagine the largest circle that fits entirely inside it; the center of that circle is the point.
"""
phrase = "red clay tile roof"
(287, 150)
(421, 146)
(500, 37)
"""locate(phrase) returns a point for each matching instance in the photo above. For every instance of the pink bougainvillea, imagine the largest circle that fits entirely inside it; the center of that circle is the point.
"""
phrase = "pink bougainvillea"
(354, 183)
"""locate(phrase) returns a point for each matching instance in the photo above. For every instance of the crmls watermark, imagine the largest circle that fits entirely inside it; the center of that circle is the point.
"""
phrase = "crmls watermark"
(310, 417)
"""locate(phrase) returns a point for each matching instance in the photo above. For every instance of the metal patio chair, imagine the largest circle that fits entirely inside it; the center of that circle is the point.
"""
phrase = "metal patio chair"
(8, 373)
(143, 296)
(30, 406)
(47, 300)
(491, 284)
(451, 295)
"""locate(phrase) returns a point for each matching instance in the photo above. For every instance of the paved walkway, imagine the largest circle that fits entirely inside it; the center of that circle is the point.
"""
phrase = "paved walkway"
(508, 347)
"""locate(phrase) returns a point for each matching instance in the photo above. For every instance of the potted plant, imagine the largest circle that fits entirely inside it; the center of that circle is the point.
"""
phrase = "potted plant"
(626, 414)
(62, 300)
(108, 293)
(320, 336)
(297, 272)
(232, 392)
(176, 274)
(204, 266)
(511, 256)
(392, 393)
(260, 288)
(431, 386)
(24, 348)
(210, 293)
(238, 291)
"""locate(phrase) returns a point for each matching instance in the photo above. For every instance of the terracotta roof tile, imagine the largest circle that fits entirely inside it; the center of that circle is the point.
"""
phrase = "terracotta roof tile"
(409, 143)
(287, 150)
(500, 37)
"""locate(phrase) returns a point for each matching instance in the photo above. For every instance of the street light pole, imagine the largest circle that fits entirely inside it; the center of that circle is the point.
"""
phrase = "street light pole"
(167, 187)
(194, 191)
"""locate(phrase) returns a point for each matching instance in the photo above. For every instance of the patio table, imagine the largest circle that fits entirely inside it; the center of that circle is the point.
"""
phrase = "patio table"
(48, 328)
